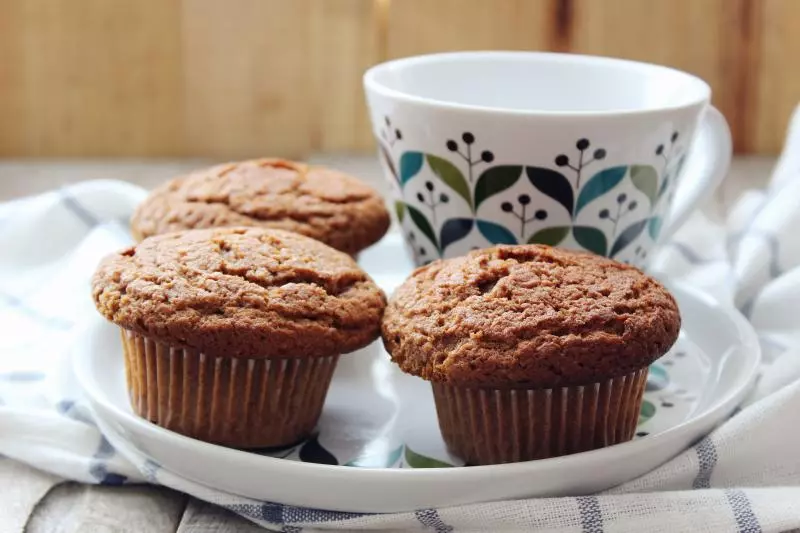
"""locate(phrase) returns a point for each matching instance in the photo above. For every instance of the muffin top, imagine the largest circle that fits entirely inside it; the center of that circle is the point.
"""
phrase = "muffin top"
(528, 316)
(241, 292)
(324, 204)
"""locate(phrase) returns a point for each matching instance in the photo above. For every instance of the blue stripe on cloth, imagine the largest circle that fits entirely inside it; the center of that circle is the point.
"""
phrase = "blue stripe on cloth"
(51, 322)
(304, 515)
(22, 376)
(707, 457)
(743, 513)
(591, 516)
(98, 467)
(77, 209)
(430, 519)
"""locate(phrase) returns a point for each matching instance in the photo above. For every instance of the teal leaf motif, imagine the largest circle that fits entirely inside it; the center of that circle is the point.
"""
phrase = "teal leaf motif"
(627, 237)
(647, 411)
(400, 209)
(599, 184)
(495, 180)
(657, 378)
(654, 227)
(553, 184)
(422, 223)
(410, 164)
(313, 452)
(664, 186)
(645, 178)
(591, 239)
(495, 233)
(449, 173)
(377, 461)
(387, 158)
(552, 236)
(679, 165)
(417, 460)
(454, 230)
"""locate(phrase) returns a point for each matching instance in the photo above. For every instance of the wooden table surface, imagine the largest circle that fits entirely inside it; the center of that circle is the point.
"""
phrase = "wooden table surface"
(35, 502)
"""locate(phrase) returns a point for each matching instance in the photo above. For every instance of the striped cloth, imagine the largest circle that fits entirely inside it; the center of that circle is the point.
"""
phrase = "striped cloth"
(745, 476)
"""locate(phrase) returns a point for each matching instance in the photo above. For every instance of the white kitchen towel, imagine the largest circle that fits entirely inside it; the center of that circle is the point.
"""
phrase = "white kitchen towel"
(745, 476)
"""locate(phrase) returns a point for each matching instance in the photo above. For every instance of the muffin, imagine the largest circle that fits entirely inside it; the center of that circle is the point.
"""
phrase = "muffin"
(323, 204)
(231, 335)
(532, 351)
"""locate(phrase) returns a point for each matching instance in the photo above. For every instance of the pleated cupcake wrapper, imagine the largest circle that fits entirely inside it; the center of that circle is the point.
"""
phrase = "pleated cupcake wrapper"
(244, 403)
(491, 426)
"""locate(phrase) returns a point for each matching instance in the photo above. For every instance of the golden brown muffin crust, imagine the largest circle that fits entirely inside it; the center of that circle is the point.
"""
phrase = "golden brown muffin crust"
(324, 204)
(528, 316)
(241, 292)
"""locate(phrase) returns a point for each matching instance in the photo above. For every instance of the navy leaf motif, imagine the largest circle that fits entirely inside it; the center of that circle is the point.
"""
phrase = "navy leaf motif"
(422, 223)
(591, 238)
(495, 180)
(454, 230)
(495, 233)
(599, 184)
(627, 236)
(313, 452)
(410, 165)
(553, 184)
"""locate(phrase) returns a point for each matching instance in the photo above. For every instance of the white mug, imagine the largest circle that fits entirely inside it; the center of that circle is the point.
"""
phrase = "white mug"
(583, 152)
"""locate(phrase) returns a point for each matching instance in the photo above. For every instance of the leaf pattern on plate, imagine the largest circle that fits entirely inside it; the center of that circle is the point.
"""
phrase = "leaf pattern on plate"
(378, 460)
(598, 185)
(552, 236)
(591, 238)
(449, 173)
(454, 230)
(495, 233)
(422, 223)
(627, 237)
(417, 460)
(645, 178)
(647, 411)
(657, 378)
(553, 184)
(410, 165)
(495, 180)
(313, 452)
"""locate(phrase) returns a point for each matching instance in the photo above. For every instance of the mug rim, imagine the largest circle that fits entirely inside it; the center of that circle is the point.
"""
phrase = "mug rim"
(373, 84)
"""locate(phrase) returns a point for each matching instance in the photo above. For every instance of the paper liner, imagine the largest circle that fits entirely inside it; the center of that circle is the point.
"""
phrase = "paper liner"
(491, 426)
(243, 403)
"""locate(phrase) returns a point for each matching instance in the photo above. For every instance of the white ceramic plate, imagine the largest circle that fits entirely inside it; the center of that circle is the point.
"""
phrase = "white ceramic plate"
(378, 437)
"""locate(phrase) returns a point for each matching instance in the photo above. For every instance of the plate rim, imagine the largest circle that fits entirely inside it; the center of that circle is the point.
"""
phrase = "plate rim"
(749, 347)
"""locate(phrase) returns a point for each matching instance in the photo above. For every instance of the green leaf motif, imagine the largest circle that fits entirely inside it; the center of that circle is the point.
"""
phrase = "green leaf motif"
(654, 227)
(448, 173)
(422, 223)
(627, 237)
(495, 180)
(591, 239)
(552, 236)
(416, 460)
(410, 165)
(598, 185)
(377, 461)
(454, 230)
(400, 209)
(553, 184)
(495, 233)
(645, 178)
(313, 452)
(647, 411)
(387, 158)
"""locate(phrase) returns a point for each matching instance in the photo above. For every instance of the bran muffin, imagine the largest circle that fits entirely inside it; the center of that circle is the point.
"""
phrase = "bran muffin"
(231, 335)
(532, 351)
(321, 203)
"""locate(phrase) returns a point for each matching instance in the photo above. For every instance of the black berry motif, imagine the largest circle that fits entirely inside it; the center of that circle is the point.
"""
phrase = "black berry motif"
(562, 160)
(524, 200)
(666, 152)
(469, 139)
(432, 201)
(390, 135)
(622, 210)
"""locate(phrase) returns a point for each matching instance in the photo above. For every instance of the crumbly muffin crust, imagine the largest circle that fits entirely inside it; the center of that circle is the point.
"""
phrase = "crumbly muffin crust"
(241, 292)
(528, 316)
(324, 204)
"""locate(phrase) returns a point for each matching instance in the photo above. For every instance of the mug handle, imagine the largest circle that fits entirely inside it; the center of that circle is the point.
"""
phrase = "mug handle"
(707, 164)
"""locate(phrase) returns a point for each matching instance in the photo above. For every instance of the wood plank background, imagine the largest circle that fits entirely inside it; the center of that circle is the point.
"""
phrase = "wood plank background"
(243, 78)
